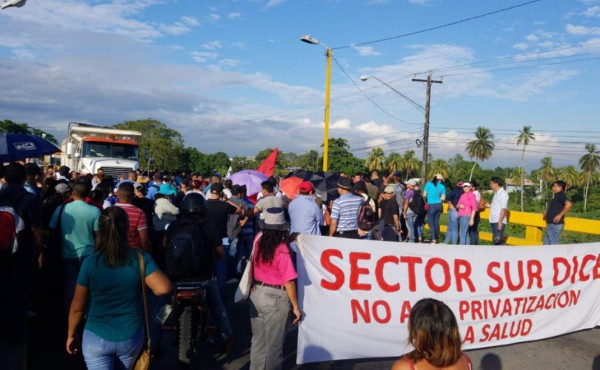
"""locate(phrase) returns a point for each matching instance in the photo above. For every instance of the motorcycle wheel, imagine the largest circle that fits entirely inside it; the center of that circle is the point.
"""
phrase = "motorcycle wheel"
(186, 332)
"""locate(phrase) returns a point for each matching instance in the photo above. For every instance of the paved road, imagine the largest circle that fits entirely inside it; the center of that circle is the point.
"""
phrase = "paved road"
(577, 351)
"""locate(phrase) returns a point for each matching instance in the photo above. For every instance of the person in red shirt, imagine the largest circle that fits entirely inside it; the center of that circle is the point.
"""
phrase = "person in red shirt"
(137, 236)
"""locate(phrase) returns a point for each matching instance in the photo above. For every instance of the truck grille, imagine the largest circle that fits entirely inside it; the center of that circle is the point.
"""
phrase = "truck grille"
(115, 172)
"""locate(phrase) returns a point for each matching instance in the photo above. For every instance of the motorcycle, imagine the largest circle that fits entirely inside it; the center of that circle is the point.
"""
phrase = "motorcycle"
(189, 306)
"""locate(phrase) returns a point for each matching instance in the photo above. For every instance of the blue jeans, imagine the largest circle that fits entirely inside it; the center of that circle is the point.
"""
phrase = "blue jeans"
(464, 229)
(496, 232)
(433, 219)
(101, 354)
(411, 219)
(216, 308)
(71, 268)
(452, 233)
(552, 235)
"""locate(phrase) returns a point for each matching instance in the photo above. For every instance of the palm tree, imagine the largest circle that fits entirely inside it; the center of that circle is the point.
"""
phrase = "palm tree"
(525, 136)
(589, 163)
(546, 173)
(438, 166)
(375, 159)
(569, 175)
(411, 164)
(394, 162)
(481, 147)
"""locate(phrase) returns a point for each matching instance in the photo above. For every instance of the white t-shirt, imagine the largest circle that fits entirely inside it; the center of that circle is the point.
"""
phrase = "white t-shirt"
(499, 202)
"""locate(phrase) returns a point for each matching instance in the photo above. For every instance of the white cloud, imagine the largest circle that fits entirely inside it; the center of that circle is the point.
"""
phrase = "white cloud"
(531, 37)
(230, 63)
(190, 21)
(582, 30)
(370, 127)
(213, 45)
(239, 45)
(521, 46)
(419, 2)
(593, 11)
(378, 2)
(234, 15)
(214, 17)
(272, 3)
(174, 29)
(341, 124)
(203, 57)
(534, 84)
(366, 51)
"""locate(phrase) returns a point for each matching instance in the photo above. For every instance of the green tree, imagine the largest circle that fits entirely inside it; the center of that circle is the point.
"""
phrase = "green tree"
(411, 164)
(375, 160)
(589, 163)
(524, 137)
(308, 161)
(394, 162)
(10, 127)
(438, 166)
(281, 162)
(341, 159)
(481, 147)
(569, 175)
(242, 163)
(165, 145)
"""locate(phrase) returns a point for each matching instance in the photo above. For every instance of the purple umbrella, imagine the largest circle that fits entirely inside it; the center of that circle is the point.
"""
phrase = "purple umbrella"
(14, 147)
(251, 178)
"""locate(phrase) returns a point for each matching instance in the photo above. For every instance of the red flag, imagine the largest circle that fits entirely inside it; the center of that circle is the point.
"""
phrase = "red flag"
(268, 165)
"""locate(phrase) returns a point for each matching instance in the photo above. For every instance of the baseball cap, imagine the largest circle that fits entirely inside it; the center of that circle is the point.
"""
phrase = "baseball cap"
(398, 174)
(62, 188)
(305, 187)
(439, 176)
(388, 189)
(412, 182)
(466, 184)
(216, 188)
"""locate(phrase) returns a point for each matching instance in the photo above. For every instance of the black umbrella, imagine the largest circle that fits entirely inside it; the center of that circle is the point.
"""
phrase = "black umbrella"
(325, 183)
(14, 147)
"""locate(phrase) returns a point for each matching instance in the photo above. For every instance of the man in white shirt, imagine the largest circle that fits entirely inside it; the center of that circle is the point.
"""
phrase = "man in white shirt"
(498, 210)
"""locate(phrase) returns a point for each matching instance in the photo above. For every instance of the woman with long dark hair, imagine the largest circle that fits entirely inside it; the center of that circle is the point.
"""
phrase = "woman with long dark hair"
(109, 289)
(433, 332)
(274, 290)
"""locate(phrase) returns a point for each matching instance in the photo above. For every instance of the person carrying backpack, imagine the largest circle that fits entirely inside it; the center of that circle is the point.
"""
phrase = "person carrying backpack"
(413, 210)
(20, 246)
(191, 245)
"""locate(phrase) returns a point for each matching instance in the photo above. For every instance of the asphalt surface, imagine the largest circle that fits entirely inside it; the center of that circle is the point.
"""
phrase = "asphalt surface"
(578, 351)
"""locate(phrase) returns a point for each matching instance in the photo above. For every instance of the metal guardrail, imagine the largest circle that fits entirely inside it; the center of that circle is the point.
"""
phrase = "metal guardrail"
(534, 227)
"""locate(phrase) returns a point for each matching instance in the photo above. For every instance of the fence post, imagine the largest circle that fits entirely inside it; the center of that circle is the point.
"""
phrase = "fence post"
(533, 234)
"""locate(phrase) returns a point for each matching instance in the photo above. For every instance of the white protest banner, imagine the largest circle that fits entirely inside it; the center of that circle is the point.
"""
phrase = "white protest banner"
(356, 295)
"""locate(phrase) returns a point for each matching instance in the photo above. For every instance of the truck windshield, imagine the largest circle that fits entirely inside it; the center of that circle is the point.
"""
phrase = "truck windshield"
(108, 150)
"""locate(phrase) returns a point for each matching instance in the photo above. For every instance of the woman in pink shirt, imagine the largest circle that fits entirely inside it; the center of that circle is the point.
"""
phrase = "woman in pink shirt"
(274, 290)
(467, 207)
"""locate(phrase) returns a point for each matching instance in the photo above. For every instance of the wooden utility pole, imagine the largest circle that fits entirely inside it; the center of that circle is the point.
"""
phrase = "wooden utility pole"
(426, 128)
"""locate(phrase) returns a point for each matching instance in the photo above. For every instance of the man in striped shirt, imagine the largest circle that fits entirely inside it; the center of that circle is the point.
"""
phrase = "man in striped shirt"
(344, 212)
(137, 235)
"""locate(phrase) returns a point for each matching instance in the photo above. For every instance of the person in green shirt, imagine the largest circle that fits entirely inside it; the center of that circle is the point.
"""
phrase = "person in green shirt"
(109, 290)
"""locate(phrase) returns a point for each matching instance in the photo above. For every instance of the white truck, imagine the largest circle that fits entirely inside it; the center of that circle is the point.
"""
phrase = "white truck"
(88, 148)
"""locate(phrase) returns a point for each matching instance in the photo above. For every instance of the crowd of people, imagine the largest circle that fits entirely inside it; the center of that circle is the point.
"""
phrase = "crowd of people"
(96, 232)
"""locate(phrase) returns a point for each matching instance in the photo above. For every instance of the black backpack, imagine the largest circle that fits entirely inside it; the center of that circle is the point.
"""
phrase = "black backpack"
(12, 224)
(184, 253)
(367, 217)
(417, 203)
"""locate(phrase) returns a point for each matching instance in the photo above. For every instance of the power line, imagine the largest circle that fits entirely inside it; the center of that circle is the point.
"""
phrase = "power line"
(439, 27)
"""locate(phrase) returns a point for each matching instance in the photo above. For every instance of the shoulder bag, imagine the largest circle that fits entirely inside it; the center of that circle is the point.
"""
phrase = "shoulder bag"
(143, 361)
(243, 290)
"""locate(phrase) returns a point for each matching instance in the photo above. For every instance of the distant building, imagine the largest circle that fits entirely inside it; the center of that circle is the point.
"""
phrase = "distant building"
(512, 187)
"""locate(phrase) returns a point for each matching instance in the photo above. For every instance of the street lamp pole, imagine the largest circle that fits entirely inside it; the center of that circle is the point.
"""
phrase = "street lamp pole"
(310, 40)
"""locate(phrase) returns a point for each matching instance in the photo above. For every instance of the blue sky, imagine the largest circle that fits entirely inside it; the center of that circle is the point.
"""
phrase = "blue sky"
(232, 75)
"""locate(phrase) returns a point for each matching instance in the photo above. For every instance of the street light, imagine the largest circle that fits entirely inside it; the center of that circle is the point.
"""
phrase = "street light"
(311, 40)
